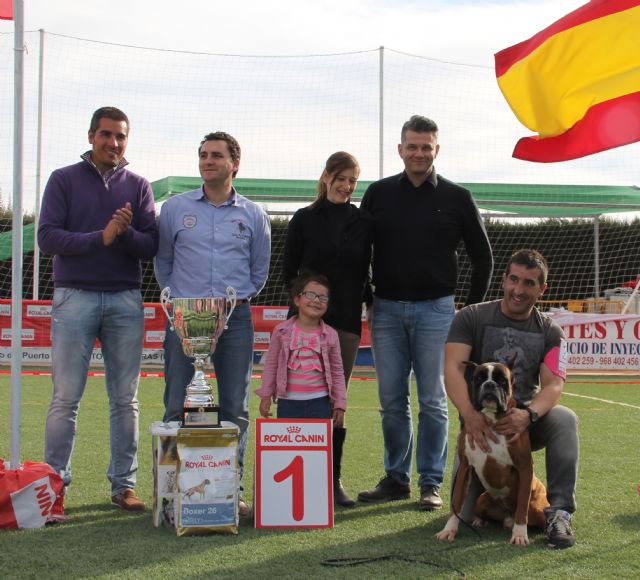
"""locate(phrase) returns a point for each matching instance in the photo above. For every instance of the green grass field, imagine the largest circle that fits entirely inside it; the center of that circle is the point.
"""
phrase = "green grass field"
(99, 541)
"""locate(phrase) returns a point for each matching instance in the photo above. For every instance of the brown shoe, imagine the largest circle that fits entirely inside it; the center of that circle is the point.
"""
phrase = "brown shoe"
(128, 501)
(429, 498)
(244, 509)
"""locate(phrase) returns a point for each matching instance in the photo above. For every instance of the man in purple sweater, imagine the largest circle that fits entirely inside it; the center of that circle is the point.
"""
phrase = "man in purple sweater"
(98, 220)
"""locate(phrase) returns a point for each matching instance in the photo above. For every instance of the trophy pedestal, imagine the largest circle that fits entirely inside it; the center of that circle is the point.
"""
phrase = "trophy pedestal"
(202, 416)
(200, 409)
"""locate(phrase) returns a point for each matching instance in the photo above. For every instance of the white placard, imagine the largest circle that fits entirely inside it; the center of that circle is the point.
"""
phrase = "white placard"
(293, 475)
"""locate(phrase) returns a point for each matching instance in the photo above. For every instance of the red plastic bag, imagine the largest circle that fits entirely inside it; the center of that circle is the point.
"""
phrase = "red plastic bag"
(30, 496)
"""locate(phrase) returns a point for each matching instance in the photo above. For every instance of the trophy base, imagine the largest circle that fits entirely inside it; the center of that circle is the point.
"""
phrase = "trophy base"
(202, 416)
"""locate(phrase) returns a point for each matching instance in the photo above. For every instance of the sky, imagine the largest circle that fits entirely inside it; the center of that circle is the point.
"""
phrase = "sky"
(468, 31)
(464, 32)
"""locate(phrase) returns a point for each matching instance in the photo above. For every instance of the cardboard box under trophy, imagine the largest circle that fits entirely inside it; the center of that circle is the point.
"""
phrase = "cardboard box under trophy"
(195, 478)
(165, 465)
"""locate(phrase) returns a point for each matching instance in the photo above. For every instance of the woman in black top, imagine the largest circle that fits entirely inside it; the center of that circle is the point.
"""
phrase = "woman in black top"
(333, 237)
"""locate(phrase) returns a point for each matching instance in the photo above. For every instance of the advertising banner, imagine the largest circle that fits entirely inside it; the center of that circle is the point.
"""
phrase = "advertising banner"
(595, 342)
(601, 342)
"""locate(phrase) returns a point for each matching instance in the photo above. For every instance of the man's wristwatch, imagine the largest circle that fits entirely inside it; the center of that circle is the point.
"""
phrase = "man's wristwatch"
(533, 415)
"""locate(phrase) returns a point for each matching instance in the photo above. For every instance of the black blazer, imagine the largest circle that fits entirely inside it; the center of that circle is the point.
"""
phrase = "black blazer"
(314, 246)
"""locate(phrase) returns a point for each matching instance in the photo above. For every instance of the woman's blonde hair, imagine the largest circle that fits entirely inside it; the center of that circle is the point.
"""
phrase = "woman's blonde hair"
(337, 162)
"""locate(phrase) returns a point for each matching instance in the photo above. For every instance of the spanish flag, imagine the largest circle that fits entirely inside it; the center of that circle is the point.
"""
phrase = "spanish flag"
(6, 9)
(576, 83)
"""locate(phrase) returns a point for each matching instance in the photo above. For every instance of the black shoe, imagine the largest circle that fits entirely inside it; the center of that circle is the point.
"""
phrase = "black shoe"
(388, 489)
(559, 532)
(429, 498)
(341, 497)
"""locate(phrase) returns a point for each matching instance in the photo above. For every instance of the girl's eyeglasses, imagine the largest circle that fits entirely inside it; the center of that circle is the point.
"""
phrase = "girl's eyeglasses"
(311, 296)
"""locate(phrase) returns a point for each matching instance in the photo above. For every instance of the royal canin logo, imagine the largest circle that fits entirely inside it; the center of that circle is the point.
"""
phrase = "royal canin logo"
(274, 314)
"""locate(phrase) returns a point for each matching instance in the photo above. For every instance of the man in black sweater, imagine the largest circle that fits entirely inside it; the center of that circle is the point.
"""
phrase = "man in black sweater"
(419, 219)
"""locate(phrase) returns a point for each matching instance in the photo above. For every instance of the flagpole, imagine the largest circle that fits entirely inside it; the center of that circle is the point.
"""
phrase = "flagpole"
(16, 259)
(36, 249)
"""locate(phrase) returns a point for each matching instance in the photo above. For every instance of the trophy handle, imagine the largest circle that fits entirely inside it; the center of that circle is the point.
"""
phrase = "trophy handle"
(230, 305)
(164, 301)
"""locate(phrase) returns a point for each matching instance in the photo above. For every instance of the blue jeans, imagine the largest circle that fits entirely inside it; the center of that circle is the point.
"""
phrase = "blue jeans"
(318, 408)
(78, 317)
(233, 364)
(557, 433)
(406, 336)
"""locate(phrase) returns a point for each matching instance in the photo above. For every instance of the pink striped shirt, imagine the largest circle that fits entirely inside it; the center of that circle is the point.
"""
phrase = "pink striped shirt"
(305, 373)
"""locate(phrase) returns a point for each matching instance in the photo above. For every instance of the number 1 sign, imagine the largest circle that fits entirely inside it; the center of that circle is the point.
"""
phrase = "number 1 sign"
(293, 478)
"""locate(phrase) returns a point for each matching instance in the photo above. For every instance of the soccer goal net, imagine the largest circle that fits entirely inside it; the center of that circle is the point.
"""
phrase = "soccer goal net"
(289, 113)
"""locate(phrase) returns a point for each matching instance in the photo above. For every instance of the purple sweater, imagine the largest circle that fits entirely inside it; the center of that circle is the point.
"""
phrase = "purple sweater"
(76, 207)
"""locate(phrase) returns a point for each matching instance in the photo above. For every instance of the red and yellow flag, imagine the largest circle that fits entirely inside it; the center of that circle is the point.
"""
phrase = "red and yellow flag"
(577, 82)
(6, 9)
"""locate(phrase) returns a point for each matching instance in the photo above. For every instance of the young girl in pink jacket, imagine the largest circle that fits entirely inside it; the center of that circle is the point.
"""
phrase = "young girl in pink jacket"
(303, 370)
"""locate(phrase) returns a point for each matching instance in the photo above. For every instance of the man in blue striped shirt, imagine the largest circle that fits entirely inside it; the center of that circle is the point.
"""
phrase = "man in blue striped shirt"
(211, 238)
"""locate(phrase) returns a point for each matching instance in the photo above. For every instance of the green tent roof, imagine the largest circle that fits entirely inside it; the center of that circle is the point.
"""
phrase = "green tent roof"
(523, 199)
(6, 239)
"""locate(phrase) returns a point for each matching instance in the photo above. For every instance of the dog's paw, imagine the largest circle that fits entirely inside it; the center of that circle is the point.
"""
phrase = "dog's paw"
(519, 536)
(479, 523)
(446, 535)
(519, 541)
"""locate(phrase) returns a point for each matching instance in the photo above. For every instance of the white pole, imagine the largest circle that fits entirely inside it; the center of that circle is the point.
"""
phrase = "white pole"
(16, 258)
(36, 249)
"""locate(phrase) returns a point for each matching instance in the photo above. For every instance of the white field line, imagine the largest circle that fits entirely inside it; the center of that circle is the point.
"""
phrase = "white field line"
(601, 400)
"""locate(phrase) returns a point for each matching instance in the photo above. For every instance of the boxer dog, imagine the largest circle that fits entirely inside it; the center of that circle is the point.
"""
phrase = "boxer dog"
(199, 489)
(513, 494)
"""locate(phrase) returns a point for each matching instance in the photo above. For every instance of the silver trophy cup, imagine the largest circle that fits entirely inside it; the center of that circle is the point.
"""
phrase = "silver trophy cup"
(199, 322)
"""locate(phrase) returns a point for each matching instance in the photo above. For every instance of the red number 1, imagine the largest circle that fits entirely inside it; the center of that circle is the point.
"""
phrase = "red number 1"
(295, 470)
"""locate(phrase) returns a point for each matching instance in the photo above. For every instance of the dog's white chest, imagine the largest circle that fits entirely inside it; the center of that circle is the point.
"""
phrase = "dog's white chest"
(477, 459)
